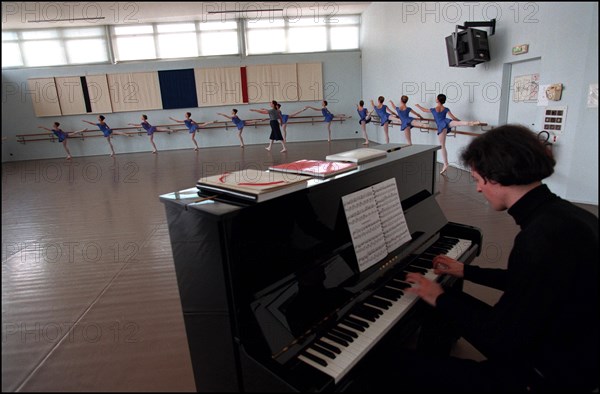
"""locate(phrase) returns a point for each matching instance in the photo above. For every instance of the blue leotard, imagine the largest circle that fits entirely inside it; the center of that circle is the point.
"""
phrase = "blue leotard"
(383, 114)
(404, 117)
(105, 129)
(190, 125)
(441, 120)
(328, 115)
(284, 118)
(362, 113)
(238, 122)
(60, 134)
(148, 127)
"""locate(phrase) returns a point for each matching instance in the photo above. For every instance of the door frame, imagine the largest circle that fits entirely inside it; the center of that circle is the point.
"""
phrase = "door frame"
(506, 88)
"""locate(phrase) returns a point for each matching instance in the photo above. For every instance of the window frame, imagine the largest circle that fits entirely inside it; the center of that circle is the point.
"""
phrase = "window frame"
(289, 24)
(63, 39)
(242, 29)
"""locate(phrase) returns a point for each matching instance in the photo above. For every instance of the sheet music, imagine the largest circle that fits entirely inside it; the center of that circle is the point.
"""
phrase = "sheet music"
(376, 222)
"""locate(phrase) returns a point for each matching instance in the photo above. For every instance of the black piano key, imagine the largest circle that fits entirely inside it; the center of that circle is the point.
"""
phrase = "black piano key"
(335, 331)
(347, 332)
(358, 322)
(400, 276)
(412, 268)
(370, 310)
(393, 297)
(450, 239)
(328, 346)
(352, 325)
(323, 351)
(378, 302)
(336, 339)
(363, 315)
(386, 302)
(389, 294)
(423, 263)
(314, 358)
(397, 284)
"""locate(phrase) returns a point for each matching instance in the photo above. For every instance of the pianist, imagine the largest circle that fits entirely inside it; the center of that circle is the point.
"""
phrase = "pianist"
(542, 334)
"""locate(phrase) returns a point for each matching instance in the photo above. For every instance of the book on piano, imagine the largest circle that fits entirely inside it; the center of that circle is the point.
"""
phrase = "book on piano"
(252, 184)
(316, 168)
(358, 156)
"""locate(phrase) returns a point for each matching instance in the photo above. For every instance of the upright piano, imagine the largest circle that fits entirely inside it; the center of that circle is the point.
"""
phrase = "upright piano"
(271, 293)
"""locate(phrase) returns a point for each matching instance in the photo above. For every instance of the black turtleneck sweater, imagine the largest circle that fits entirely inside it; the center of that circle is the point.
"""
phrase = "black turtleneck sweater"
(547, 318)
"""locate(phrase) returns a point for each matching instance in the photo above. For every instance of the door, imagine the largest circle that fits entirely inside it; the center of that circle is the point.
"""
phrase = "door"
(522, 101)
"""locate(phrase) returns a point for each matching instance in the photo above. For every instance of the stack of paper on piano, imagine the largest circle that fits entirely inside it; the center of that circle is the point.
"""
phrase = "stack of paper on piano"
(360, 155)
(253, 185)
(316, 168)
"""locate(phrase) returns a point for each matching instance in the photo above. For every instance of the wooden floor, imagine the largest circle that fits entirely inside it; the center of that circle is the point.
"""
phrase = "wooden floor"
(89, 294)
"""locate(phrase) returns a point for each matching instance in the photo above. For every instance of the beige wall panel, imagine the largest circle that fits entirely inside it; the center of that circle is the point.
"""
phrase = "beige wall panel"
(44, 96)
(310, 82)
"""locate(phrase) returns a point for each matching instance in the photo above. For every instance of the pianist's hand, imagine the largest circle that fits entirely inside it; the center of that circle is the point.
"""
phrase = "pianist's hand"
(424, 288)
(446, 265)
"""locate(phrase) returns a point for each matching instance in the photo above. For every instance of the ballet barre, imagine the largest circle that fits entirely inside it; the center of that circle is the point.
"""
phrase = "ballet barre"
(451, 133)
(172, 128)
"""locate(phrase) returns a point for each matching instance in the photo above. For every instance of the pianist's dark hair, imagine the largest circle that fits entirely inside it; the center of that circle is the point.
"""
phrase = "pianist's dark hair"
(510, 155)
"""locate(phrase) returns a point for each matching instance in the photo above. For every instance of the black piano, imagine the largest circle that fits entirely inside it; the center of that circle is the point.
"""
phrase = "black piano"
(271, 293)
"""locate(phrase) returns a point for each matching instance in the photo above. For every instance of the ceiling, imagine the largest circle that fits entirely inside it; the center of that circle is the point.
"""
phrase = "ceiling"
(32, 15)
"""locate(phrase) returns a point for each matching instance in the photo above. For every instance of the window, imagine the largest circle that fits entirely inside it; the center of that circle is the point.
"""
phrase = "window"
(134, 42)
(266, 41)
(11, 53)
(344, 32)
(219, 38)
(309, 38)
(302, 34)
(87, 45)
(54, 47)
(186, 39)
(175, 40)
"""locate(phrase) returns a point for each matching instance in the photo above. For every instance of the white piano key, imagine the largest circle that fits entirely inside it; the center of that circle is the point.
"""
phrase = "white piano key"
(326, 369)
(350, 355)
(331, 366)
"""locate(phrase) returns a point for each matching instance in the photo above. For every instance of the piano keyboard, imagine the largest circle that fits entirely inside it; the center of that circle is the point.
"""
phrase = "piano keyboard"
(336, 352)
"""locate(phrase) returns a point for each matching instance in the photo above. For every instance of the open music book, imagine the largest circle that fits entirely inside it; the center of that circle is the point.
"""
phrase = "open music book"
(316, 168)
(376, 222)
(253, 185)
(358, 156)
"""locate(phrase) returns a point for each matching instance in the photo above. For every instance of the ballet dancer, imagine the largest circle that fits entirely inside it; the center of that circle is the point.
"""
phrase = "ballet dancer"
(439, 113)
(284, 120)
(149, 130)
(62, 136)
(384, 116)
(107, 131)
(403, 112)
(274, 119)
(238, 123)
(365, 117)
(192, 126)
(328, 117)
